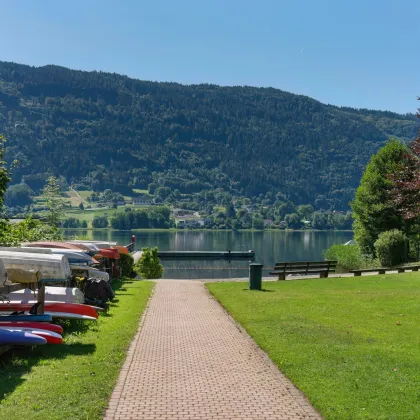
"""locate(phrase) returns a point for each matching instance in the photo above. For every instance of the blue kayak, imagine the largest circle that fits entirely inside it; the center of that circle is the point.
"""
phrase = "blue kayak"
(20, 338)
(30, 318)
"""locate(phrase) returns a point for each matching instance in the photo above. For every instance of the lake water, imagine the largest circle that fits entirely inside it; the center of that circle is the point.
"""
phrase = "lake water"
(269, 246)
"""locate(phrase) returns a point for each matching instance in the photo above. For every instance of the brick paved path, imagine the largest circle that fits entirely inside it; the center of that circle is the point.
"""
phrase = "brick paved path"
(189, 360)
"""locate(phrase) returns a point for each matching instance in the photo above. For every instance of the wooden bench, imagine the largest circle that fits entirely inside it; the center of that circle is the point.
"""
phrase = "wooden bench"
(383, 270)
(283, 269)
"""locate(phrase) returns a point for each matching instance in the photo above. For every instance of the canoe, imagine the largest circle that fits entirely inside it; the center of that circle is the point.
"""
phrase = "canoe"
(52, 294)
(35, 325)
(20, 338)
(52, 267)
(51, 337)
(50, 307)
(25, 317)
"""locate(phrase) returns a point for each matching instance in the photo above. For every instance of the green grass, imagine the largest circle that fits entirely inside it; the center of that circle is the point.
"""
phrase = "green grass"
(89, 215)
(73, 380)
(351, 345)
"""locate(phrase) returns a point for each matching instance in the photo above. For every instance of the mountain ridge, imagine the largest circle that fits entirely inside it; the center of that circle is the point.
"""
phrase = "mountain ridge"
(248, 140)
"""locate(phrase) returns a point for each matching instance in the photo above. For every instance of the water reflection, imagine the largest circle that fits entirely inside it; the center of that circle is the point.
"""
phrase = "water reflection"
(270, 247)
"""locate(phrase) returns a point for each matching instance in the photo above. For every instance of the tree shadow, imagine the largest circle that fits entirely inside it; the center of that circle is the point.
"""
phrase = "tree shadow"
(18, 362)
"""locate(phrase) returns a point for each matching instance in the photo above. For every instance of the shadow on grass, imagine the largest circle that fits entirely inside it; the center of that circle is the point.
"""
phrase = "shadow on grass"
(262, 290)
(18, 362)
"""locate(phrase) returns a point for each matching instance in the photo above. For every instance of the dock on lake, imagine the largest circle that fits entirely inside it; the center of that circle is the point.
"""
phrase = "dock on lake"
(201, 254)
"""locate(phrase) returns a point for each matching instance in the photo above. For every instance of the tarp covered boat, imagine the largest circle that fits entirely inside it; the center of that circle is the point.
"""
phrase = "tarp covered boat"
(52, 267)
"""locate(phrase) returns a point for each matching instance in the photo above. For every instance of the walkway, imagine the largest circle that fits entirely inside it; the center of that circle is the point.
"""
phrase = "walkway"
(189, 360)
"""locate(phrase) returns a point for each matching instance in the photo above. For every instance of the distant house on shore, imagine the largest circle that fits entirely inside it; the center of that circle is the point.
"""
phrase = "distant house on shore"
(143, 200)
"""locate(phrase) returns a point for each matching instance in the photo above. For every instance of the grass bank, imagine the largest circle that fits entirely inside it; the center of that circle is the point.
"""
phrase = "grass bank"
(73, 380)
(352, 345)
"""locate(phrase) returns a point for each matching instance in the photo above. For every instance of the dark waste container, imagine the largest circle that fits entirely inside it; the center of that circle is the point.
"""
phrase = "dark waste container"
(255, 276)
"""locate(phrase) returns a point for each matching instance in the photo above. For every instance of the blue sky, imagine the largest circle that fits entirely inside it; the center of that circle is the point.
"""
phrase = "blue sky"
(355, 53)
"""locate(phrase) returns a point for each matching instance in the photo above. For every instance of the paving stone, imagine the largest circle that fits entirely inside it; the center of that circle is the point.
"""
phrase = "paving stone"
(190, 360)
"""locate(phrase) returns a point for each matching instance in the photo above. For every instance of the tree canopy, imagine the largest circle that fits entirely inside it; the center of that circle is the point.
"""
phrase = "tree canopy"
(105, 131)
(373, 209)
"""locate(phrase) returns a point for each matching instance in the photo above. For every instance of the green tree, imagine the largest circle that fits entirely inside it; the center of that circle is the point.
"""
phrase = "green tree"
(373, 209)
(81, 206)
(149, 266)
(54, 201)
(100, 222)
(4, 171)
(293, 221)
(305, 211)
(18, 195)
(258, 223)
(230, 211)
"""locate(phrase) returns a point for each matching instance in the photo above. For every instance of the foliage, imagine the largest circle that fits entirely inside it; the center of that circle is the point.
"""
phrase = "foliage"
(18, 195)
(81, 206)
(192, 138)
(153, 217)
(350, 344)
(293, 221)
(126, 263)
(258, 223)
(100, 222)
(373, 209)
(406, 193)
(348, 257)
(391, 248)
(149, 266)
(29, 230)
(76, 378)
(4, 171)
(54, 201)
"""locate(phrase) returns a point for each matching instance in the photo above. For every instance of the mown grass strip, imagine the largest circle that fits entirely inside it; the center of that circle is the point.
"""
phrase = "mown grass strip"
(73, 380)
(351, 345)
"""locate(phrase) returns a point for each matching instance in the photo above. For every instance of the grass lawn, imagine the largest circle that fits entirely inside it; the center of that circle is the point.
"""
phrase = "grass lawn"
(352, 345)
(89, 215)
(73, 380)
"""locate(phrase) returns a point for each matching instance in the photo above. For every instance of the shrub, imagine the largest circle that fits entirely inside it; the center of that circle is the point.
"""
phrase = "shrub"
(149, 266)
(126, 264)
(391, 248)
(100, 222)
(347, 256)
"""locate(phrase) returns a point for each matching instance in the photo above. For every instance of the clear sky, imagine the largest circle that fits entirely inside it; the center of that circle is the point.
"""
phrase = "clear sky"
(360, 53)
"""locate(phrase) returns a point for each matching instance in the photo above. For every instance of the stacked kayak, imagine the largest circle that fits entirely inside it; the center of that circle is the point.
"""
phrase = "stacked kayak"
(62, 310)
(20, 338)
(52, 294)
(50, 337)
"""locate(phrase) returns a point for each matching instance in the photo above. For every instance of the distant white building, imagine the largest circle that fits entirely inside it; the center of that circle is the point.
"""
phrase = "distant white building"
(142, 201)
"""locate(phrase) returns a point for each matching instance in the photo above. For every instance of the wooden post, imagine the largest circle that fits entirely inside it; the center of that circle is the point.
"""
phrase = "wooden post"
(41, 299)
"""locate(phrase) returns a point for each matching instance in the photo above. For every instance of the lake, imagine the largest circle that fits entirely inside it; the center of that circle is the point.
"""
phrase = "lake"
(269, 246)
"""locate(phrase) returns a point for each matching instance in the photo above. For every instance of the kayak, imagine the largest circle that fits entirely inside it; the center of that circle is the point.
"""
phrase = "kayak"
(26, 317)
(51, 337)
(36, 325)
(20, 338)
(49, 307)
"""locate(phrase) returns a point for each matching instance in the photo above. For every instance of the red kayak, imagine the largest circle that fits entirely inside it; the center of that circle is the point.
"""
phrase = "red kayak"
(51, 337)
(71, 308)
(34, 325)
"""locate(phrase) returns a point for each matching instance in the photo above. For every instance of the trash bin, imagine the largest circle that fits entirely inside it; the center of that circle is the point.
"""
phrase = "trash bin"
(255, 276)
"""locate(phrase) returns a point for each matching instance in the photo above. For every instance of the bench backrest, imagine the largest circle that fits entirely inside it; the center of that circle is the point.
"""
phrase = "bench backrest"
(306, 265)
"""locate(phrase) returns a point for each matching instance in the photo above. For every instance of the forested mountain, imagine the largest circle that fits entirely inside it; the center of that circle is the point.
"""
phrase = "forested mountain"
(109, 131)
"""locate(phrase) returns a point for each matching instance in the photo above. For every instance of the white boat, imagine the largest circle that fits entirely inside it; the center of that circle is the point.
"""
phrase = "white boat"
(52, 294)
(98, 244)
(52, 267)
(74, 257)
